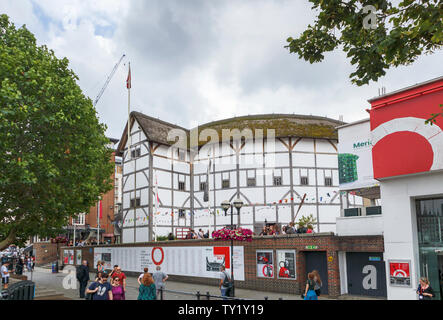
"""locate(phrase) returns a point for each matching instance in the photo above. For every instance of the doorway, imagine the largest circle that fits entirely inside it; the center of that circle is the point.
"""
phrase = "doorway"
(316, 260)
(366, 274)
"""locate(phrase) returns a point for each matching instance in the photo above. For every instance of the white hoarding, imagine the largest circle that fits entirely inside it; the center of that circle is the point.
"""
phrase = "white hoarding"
(355, 156)
(183, 261)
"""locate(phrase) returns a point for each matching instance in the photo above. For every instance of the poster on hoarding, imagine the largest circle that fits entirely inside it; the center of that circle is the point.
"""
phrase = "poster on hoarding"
(184, 261)
(68, 256)
(399, 273)
(78, 257)
(355, 156)
(265, 264)
(286, 264)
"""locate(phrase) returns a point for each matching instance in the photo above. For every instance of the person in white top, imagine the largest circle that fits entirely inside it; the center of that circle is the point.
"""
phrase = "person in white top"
(5, 275)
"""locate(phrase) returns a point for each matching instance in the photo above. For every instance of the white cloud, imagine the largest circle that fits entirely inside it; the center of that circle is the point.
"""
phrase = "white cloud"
(202, 60)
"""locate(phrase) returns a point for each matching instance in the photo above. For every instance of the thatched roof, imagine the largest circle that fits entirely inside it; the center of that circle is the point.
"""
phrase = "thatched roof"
(285, 125)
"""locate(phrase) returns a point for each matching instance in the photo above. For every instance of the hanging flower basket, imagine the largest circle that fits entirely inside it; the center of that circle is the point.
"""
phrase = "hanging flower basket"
(239, 234)
(59, 239)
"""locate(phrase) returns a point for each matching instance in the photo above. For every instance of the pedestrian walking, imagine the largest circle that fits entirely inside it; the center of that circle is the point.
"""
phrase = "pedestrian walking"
(424, 290)
(100, 267)
(83, 277)
(140, 277)
(118, 273)
(33, 263)
(113, 271)
(318, 283)
(309, 289)
(29, 263)
(5, 275)
(147, 290)
(19, 266)
(225, 283)
(118, 292)
(159, 279)
(101, 289)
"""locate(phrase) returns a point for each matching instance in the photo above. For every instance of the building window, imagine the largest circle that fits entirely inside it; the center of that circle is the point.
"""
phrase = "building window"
(328, 182)
(135, 153)
(135, 203)
(80, 220)
(304, 181)
(181, 155)
(225, 184)
(251, 182)
(202, 186)
(181, 186)
(277, 181)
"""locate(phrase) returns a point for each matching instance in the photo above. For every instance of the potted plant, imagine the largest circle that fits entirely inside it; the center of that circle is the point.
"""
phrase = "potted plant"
(306, 223)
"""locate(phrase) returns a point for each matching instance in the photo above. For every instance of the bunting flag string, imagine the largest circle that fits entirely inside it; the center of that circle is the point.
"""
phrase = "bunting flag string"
(165, 217)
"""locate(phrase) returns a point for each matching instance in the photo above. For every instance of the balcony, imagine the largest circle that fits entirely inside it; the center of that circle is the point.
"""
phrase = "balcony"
(360, 221)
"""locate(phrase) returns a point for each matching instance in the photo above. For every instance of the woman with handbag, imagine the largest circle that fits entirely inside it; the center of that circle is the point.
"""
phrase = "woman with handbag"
(425, 292)
(309, 289)
(318, 282)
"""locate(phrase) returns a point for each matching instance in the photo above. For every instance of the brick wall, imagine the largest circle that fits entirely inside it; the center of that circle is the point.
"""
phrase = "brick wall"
(325, 242)
(45, 252)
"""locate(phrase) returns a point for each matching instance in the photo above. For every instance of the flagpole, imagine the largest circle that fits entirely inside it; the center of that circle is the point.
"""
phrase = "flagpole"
(128, 85)
(209, 196)
(156, 206)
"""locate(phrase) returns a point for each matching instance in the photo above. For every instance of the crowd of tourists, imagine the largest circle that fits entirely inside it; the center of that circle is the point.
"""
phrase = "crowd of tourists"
(274, 229)
(112, 285)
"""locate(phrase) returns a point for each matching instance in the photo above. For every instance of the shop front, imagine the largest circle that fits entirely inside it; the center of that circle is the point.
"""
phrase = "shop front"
(430, 241)
(407, 158)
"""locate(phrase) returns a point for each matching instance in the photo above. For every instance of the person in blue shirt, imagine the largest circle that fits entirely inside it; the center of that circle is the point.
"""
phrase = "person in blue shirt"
(101, 289)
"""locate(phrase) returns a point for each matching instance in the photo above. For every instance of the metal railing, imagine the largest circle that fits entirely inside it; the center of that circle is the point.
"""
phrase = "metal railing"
(200, 296)
(23, 290)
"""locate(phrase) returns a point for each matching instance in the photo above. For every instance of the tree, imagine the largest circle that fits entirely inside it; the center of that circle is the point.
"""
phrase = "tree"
(375, 34)
(54, 162)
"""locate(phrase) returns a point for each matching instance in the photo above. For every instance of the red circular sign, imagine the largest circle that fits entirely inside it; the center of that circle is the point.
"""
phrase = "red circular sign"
(270, 267)
(163, 256)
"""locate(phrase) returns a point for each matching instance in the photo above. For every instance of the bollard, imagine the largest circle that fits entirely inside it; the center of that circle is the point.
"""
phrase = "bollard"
(198, 295)
(208, 297)
(161, 293)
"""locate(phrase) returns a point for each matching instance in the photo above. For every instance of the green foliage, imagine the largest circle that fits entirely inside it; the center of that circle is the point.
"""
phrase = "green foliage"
(434, 117)
(163, 238)
(54, 162)
(401, 34)
(306, 221)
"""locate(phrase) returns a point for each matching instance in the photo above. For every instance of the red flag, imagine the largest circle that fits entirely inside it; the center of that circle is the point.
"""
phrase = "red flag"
(128, 80)
(101, 209)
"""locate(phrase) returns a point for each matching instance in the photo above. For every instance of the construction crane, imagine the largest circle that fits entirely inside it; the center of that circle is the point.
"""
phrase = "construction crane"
(107, 81)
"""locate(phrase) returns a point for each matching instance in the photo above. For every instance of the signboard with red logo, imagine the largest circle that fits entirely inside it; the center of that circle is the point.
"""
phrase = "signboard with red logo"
(401, 141)
(185, 261)
(399, 273)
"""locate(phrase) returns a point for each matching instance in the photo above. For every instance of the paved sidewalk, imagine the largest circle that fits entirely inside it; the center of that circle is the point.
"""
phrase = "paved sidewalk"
(44, 277)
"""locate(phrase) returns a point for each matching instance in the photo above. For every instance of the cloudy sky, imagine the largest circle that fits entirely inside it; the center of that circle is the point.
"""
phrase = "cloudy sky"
(196, 61)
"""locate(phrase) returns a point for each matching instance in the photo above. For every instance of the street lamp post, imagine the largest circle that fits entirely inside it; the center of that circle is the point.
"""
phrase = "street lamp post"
(237, 203)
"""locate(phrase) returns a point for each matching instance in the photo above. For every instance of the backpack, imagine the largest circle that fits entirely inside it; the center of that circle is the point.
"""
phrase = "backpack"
(227, 283)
